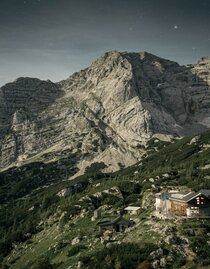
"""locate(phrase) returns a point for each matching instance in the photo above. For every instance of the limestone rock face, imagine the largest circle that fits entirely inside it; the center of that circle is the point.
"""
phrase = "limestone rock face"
(105, 112)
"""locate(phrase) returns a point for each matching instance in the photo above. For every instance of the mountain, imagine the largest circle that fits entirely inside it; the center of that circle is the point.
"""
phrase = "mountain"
(47, 221)
(105, 113)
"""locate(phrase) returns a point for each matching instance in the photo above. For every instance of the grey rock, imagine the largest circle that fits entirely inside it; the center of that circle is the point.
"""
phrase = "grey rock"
(163, 262)
(79, 265)
(75, 241)
(156, 264)
(157, 253)
(102, 113)
(65, 192)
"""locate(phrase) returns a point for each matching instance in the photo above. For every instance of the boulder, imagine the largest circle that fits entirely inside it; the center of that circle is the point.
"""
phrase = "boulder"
(75, 241)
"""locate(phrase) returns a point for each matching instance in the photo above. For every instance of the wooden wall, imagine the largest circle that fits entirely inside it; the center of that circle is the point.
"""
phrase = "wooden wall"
(178, 208)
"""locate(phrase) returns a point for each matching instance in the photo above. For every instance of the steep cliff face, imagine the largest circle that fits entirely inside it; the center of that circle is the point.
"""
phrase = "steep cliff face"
(105, 112)
(21, 103)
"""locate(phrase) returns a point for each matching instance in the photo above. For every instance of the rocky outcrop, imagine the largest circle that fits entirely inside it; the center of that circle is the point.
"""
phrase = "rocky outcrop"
(105, 112)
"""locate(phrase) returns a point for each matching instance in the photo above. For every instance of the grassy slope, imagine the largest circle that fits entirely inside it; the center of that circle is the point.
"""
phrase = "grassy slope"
(46, 225)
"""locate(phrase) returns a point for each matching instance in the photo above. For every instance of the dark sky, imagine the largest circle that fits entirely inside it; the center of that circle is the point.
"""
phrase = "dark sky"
(51, 39)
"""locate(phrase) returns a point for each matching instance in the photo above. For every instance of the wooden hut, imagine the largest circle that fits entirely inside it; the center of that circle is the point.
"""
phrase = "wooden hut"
(132, 210)
(117, 224)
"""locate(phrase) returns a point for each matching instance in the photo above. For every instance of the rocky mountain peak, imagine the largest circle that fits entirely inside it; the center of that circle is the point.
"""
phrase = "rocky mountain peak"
(104, 113)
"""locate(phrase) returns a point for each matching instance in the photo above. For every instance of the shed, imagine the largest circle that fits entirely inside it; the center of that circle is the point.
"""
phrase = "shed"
(133, 210)
(117, 224)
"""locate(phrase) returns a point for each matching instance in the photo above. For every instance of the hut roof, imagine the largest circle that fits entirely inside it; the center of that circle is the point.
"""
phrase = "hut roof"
(132, 208)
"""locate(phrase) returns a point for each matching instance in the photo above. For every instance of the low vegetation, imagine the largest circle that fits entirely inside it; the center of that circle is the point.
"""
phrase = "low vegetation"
(37, 225)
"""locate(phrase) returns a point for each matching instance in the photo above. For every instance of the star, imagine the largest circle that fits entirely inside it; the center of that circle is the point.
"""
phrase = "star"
(176, 27)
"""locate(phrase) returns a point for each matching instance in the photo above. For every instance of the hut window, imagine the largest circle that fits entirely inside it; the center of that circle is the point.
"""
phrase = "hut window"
(200, 200)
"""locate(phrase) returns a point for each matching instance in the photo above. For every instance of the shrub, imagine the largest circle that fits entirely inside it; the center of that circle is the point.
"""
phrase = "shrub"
(111, 200)
(200, 247)
(95, 167)
(144, 265)
(43, 263)
(75, 250)
(133, 198)
(122, 256)
(127, 187)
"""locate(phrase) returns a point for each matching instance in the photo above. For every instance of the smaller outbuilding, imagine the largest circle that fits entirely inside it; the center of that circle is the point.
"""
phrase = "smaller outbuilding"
(132, 210)
(114, 224)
